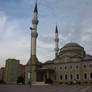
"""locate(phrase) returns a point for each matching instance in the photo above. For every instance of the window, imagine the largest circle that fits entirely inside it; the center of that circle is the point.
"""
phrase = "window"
(90, 65)
(66, 77)
(71, 76)
(65, 67)
(65, 60)
(77, 76)
(60, 77)
(77, 67)
(90, 75)
(71, 67)
(84, 66)
(55, 68)
(60, 67)
(85, 75)
(55, 77)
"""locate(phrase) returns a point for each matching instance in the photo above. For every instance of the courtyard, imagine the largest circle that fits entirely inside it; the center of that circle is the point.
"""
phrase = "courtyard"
(45, 88)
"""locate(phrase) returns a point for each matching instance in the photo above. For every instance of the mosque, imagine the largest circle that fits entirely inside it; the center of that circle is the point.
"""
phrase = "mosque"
(71, 63)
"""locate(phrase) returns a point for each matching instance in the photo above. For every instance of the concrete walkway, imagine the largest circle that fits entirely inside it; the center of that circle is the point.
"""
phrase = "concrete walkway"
(46, 88)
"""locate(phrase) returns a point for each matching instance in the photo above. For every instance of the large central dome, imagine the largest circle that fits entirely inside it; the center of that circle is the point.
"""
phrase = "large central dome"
(72, 49)
(72, 45)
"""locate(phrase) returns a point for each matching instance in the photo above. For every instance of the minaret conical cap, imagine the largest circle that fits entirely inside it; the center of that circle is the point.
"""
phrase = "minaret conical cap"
(56, 29)
(35, 9)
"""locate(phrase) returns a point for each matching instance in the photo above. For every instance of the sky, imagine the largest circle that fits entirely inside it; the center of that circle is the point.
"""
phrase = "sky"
(73, 18)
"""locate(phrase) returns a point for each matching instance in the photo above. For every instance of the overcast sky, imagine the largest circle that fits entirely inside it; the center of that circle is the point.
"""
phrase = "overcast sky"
(73, 17)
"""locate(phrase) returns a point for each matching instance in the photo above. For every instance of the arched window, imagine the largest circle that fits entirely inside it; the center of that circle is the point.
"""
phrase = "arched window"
(66, 77)
(90, 75)
(60, 67)
(55, 77)
(85, 76)
(71, 76)
(60, 77)
(77, 67)
(90, 65)
(77, 76)
(65, 67)
(84, 66)
(71, 67)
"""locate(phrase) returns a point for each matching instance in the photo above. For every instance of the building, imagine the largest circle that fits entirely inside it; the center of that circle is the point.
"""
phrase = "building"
(12, 70)
(2, 74)
(71, 63)
(22, 70)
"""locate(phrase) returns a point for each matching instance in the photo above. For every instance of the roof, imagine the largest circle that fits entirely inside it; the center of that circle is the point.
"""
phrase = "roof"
(49, 62)
(72, 45)
(87, 57)
(69, 54)
(44, 69)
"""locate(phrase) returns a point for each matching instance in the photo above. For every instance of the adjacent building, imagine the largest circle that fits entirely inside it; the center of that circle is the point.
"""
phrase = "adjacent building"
(12, 70)
(2, 73)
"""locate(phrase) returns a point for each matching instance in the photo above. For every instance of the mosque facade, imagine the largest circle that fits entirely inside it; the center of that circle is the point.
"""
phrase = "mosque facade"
(70, 65)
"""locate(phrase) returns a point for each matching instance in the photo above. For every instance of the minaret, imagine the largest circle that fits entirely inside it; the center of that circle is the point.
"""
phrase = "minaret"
(33, 60)
(33, 63)
(34, 36)
(56, 42)
(34, 31)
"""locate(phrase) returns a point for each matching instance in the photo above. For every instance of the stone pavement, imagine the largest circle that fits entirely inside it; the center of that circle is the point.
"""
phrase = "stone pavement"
(46, 88)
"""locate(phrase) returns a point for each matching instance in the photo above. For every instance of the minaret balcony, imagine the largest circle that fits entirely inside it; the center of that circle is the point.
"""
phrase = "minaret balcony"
(35, 21)
(34, 34)
(56, 40)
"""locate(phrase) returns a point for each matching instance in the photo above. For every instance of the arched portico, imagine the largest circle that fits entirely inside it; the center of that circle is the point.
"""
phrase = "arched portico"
(44, 74)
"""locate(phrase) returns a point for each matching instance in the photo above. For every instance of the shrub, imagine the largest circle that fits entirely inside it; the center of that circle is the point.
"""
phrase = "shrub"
(20, 80)
(49, 81)
(2, 82)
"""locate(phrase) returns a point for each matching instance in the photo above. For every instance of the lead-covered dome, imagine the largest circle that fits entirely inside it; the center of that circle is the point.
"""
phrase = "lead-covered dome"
(72, 49)
(72, 45)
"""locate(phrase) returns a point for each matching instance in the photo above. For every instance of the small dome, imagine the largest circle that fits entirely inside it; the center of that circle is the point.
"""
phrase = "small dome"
(72, 45)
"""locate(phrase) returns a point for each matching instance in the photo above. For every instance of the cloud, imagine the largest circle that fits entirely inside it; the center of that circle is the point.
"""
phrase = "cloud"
(14, 43)
(73, 17)
(2, 21)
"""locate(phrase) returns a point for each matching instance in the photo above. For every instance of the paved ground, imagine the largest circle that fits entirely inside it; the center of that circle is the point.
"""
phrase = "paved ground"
(46, 88)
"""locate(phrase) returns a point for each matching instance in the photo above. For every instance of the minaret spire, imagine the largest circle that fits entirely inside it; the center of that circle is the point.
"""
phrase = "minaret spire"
(35, 9)
(56, 42)
(56, 29)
